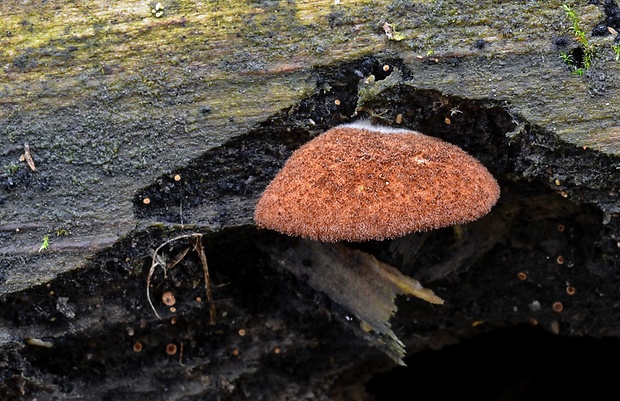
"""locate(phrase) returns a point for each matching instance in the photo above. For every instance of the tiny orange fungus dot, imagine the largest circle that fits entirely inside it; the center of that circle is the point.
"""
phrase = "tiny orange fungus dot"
(168, 298)
(146, 201)
(570, 290)
(171, 349)
(137, 347)
(241, 332)
(560, 260)
(337, 102)
(558, 307)
(521, 276)
(177, 177)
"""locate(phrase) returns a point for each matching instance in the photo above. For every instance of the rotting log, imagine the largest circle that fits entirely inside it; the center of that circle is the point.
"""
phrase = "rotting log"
(114, 102)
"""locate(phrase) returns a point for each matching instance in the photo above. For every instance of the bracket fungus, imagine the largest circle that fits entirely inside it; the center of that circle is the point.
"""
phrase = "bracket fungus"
(360, 182)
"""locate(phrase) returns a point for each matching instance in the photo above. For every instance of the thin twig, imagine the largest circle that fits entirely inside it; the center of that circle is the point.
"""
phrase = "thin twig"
(158, 261)
(181, 355)
(177, 258)
(203, 258)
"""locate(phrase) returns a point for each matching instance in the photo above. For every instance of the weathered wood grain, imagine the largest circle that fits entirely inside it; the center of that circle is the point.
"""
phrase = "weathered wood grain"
(114, 101)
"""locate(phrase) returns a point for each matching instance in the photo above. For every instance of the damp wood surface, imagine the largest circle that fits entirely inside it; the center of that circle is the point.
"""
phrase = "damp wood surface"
(113, 100)
(110, 97)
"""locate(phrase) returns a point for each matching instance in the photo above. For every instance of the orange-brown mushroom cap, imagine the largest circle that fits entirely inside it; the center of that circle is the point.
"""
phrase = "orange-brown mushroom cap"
(358, 182)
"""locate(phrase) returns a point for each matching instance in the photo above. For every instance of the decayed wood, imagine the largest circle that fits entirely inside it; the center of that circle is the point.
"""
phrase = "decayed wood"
(114, 99)
(110, 97)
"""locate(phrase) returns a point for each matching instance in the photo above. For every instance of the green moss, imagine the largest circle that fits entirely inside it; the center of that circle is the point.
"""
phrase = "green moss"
(616, 49)
(586, 58)
(11, 169)
(45, 243)
(62, 232)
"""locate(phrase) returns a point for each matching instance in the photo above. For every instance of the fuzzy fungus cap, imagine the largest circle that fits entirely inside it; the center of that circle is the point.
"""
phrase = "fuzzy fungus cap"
(360, 182)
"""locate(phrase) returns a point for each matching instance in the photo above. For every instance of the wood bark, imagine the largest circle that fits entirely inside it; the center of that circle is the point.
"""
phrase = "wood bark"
(146, 121)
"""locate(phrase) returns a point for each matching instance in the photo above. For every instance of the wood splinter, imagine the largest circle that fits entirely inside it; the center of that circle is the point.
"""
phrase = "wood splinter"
(27, 157)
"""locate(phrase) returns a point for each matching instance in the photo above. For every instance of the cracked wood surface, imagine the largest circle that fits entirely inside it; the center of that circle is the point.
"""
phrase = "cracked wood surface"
(109, 97)
(113, 102)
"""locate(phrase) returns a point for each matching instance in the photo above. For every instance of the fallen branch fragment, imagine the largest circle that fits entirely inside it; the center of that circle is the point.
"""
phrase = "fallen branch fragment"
(357, 281)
